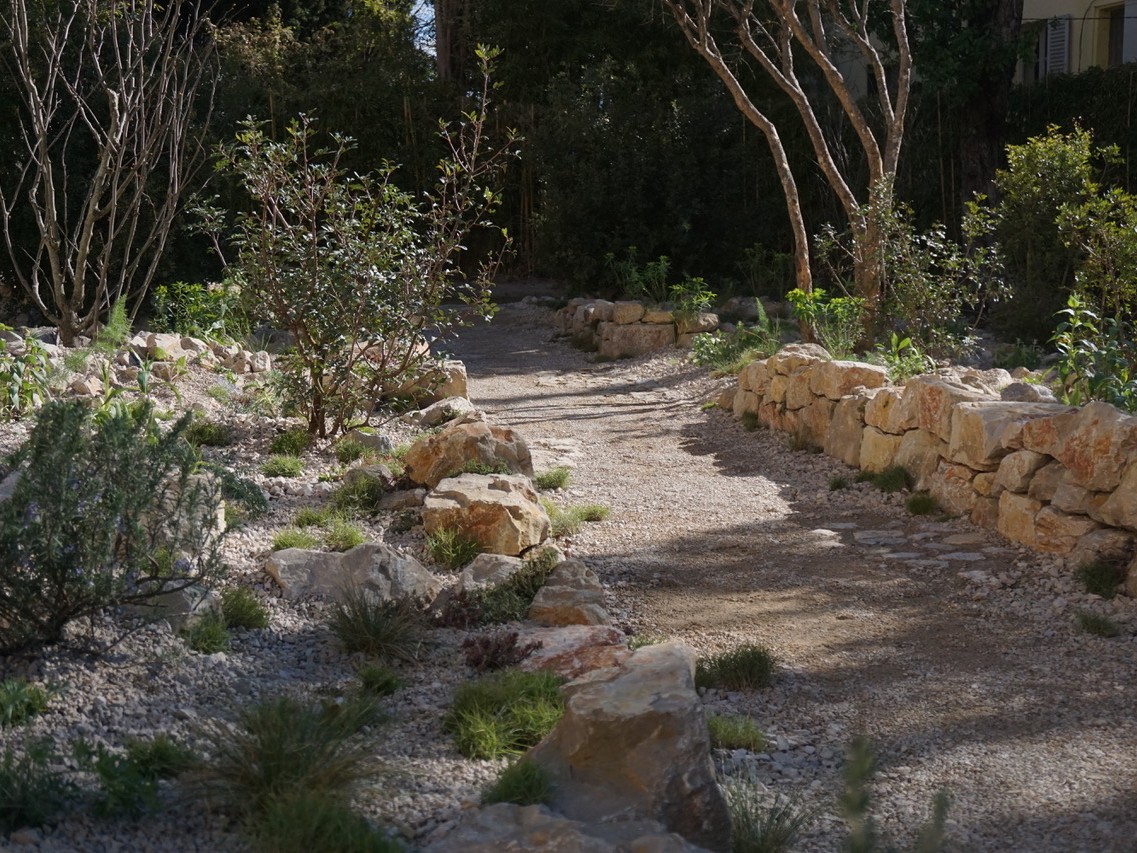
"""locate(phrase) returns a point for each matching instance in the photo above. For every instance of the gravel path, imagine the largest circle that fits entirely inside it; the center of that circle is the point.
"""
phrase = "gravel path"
(955, 652)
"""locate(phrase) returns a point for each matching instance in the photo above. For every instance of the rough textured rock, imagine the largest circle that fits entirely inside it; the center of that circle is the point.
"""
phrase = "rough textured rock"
(627, 312)
(985, 513)
(846, 430)
(798, 395)
(438, 413)
(878, 449)
(506, 827)
(951, 487)
(436, 457)
(1119, 509)
(1102, 544)
(1046, 480)
(633, 744)
(1059, 533)
(573, 595)
(618, 341)
(836, 379)
(488, 570)
(658, 316)
(743, 402)
(1017, 469)
(376, 473)
(885, 412)
(919, 454)
(1016, 517)
(930, 400)
(792, 356)
(371, 439)
(372, 567)
(181, 608)
(693, 324)
(1027, 392)
(501, 513)
(1045, 434)
(755, 377)
(402, 499)
(573, 650)
(1099, 436)
(977, 430)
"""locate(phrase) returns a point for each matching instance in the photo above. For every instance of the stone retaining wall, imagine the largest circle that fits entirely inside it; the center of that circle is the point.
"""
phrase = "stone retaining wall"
(1049, 476)
(627, 329)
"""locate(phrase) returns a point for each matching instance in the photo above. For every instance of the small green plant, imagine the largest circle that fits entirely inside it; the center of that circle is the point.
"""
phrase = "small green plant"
(348, 450)
(638, 641)
(451, 548)
(555, 478)
(1096, 358)
(691, 298)
(390, 630)
(292, 538)
(208, 634)
(160, 757)
(1100, 626)
(314, 517)
(522, 783)
(241, 609)
(726, 353)
(893, 479)
(25, 379)
(838, 483)
(31, 793)
(125, 791)
(200, 310)
(312, 823)
(20, 701)
(747, 667)
(116, 331)
(283, 466)
(647, 283)
(476, 466)
(343, 536)
(731, 731)
(248, 497)
(1019, 354)
(1102, 577)
(921, 503)
(749, 421)
(76, 360)
(569, 520)
(758, 828)
(834, 321)
(291, 442)
(378, 680)
(903, 359)
(282, 748)
(504, 713)
(209, 434)
(360, 495)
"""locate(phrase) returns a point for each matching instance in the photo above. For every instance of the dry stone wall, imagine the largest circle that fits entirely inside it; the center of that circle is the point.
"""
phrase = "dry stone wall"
(627, 329)
(1051, 477)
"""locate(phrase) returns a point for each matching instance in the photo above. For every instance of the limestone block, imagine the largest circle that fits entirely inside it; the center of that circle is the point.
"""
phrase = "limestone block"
(1016, 517)
(1105, 543)
(919, 453)
(1059, 533)
(755, 377)
(627, 312)
(1017, 468)
(572, 650)
(835, 379)
(1071, 498)
(726, 399)
(792, 356)
(985, 513)
(1027, 392)
(1099, 440)
(433, 458)
(635, 339)
(930, 400)
(985, 484)
(951, 487)
(846, 430)
(1044, 434)
(798, 395)
(977, 431)
(501, 513)
(745, 401)
(441, 412)
(691, 324)
(878, 449)
(814, 421)
(658, 316)
(374, 568)
(779, 386)
(572, 595)
(1046, 480)
(772, 415)
(1119, 509)
(885, 412)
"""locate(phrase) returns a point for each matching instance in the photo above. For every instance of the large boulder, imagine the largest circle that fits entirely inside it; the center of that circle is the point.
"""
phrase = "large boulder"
(374, 568)
(977, 430)
(835, 379)
(572, 595)
(1016, 518)
(1017, 469)
(952, 489)
(633, 745)
(573, 650)
(433, 458)
(919, 454)
(930, 400)
(792, 356)
(1099, 440)
(885, 412)
(627, 341)
(878, 449)
(846, 430)
(442, 412)
(501, 513)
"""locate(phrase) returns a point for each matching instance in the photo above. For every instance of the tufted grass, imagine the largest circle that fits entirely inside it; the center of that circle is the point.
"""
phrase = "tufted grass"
(283, 466)
(291, 442)
(555, 478)
(293, 538)
(208, 635)
(21, 700)
(758, 828)
(1099, 626)
(522, 783)
(922, 503)
(451, 548)
(1102, 577)
(312, 823)
(747, 667)
(732, 731)
(241, 609)
(504, 713)
(388, 630)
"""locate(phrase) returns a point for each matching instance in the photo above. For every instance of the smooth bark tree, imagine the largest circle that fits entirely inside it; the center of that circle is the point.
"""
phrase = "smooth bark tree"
(832, 36)
(113, 96)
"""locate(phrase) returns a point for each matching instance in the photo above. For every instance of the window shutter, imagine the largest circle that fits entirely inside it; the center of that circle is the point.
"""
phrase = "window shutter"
(1058, 45)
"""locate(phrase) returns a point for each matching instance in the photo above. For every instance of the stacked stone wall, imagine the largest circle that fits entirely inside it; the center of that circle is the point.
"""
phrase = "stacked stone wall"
(627, 329)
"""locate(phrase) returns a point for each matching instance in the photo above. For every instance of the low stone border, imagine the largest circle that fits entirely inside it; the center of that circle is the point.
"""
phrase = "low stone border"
(627, 329)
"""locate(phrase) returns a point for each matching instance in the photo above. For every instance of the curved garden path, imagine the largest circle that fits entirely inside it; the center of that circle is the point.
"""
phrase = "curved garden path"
(957, 654)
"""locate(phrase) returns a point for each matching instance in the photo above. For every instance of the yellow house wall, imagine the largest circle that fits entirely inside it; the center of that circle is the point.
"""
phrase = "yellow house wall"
(1089, 30)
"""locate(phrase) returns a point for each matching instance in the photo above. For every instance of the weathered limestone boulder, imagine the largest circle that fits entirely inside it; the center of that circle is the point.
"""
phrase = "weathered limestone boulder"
(618, 341)
(1119, 509)
(846, 430)
(985, 485)
(835, 379)
(86, 386)
(977, 430)
(878, 449)
(501, 513)
(573, 650)
(930, 399)
(589, 315)
(814, 421)
(755, 377)
(453, 379)
(951, 487)
(372, 567)
(771, 414)
(725, 399)
(1072, 498)
(1099, 437)
(488, 570)
(1016, 517)
(777, 389)
(371, 439)
(1017, 469)
(536, 829)
(742, 309)
(919, 453)
(1059, 533)
(1045, 434)
(1046, 481)
(885, 412)
(180, 608)
(438, 413)
(633, 745)
(572, 595)
(1027, 392)
(792, 356)
(402, 499)
(375, 473)
(743, 402)
(693, 324)
(627, 312)
(1102, 544)
(798, 395)
(435, 457)
(985, 513)
(657, 316)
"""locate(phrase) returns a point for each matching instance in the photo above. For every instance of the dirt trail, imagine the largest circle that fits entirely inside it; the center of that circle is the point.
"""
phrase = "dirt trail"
(955, 652)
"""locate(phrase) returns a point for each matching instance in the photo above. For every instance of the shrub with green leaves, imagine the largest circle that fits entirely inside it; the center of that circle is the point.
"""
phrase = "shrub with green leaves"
(522, 783)
(554, 478)
(1096, 357)
(124, 789)
(293, 538)
(731, 731)
(283, 466)
(451, 548)
(378, 680)
(1102, 577)
(836, 321)
(747, 667)
(208, 434)
(31, 792)
(98, 498)
(508, 601)
(390, 630)
(25, 379)
(20, 701)
(1096, 624)
(360, 495)
(160, 757)
(208, 634)
(240, 493)
(241, 609)
(504, 713)
(726, 353)
(348, 450)
(200, 310)
(291, 442)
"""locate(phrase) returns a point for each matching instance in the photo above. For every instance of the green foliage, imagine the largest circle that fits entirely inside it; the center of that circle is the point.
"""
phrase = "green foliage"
(476, 466)
(903, 359)
(98, 498)
(728, 352)
(200, 310)
(838, 483)
(891, 479)
(749, 421)
(555, 478)
(20, 701)
(292, 538)
(921, 503)
(731, 731)
(348, 450)
(125, 790)
(758, 828)
(114, 334)
(835, 321)
(568, 520)
(647, 283)
(1096, 358)
(378, 680)
(354, 266)
(160, 757)
(638, 641)
(241, 609)
(291, 442)
(451, 548)
(208, 434)
(207, 634)
(691, 298)
(31, 793)
(1019, 354)
(310, 516)
(25, 379)
(283, 748)
(359, 495)
(1096, 624)
(283, 466)
(305, 822)
(343, 536)
(508, 601)
(1102, 577)
(522, 783)
(390, 630)
(248, 496)
(747, 667)
(504, 713)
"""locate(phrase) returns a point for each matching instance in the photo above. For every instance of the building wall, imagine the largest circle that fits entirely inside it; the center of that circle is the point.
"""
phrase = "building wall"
(1089, 32)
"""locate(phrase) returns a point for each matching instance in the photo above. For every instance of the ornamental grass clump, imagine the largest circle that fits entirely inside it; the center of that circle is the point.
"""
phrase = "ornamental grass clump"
(747, 667)
(504, 713)
(389, 630)
(451, 548)
(522, 783)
